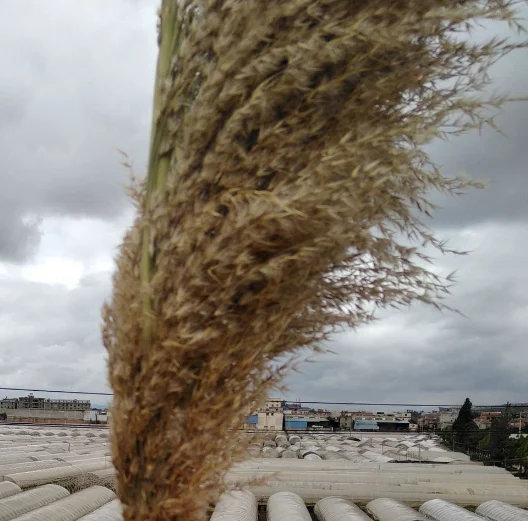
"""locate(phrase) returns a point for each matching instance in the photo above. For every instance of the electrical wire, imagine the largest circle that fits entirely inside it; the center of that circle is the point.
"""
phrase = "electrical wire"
(98, 393)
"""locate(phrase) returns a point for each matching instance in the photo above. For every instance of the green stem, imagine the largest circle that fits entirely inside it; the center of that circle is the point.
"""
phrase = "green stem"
(171, 19)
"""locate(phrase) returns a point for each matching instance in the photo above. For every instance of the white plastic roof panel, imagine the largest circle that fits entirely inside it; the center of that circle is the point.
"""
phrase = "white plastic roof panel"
(40, 477)
(8, 460)
(14, 506)
(8, 489)
(311, 456)
(290, 454)
(386, 509)
(110, 471)
(287, 506)
(29, 466)
(73, 507)
(333, 456)
(498, 511)
(377, 458)
(441, 510)
(354, 457)
(110, 512)
(236, 505)
(338, 509)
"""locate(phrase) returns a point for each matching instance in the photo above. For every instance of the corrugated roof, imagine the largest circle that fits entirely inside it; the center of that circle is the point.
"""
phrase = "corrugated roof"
(335, 464)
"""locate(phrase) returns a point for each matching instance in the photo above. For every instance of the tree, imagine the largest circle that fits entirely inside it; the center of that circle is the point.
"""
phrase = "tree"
(464, 427)
(522, 454)
(3, 416)
(499, 433)
(286, 187)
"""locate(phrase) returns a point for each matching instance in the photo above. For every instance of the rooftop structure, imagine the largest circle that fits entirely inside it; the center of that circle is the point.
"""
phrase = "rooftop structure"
(46, 471)
(34, 402)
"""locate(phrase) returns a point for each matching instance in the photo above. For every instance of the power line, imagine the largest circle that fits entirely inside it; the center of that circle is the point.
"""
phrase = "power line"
(97, 393)
(385, 404)
(404, 404)
(52, 391)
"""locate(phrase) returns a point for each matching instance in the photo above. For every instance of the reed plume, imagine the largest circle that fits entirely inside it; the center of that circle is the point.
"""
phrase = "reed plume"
(286, 194)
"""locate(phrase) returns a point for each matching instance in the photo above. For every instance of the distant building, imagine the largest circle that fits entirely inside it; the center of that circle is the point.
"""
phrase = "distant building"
(366, 424)
(275, 404)
(346, 420)
(250, 422)
(296, 407)
(313, 421)
(429, 421)
(391, 423)
(34, 402)
(368, 421)
(9, 403)
(270, 420)
(485, 419)
(448, 415)
(96, 416)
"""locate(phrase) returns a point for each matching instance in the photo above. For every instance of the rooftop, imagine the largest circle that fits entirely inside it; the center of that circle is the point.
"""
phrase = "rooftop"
(47, 470)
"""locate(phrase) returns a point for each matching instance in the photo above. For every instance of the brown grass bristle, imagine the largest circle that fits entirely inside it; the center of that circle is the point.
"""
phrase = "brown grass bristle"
(286, 186)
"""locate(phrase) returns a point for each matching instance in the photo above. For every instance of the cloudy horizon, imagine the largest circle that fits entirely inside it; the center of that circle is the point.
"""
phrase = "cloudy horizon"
(79, 91)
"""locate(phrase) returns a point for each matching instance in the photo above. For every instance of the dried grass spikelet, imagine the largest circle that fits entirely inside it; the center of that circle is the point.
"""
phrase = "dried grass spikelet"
(285, 188)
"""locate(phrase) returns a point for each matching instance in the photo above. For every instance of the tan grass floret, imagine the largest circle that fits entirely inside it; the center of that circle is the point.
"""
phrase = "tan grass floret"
(286, 186)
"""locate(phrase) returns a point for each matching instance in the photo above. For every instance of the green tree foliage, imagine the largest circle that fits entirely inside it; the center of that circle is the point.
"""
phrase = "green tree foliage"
(522, 452)
(494, 445)
(499, 433)
(464, 427)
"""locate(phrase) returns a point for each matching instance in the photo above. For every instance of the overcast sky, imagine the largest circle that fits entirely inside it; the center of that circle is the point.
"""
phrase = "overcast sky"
(75, 87)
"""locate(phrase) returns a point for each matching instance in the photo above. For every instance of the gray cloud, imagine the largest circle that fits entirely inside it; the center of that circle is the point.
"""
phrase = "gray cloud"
(80, 82)
(498, 160)
(49, 335)
(19, 235)
(422, 355)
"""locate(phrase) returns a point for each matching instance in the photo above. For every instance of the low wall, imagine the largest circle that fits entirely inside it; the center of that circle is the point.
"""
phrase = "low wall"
(43, 415)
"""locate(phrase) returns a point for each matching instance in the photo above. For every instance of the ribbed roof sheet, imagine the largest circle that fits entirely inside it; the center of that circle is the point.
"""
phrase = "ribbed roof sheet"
(287, 506)
(236, 505)
(339, 509)
(441, 510)
(18, 504)
(387, 509)
(8, 489)
(110, 512)
(73, 507)
(499, 511)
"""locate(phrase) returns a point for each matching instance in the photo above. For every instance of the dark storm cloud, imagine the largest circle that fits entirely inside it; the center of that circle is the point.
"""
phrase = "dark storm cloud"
(78, 81)
(498, 160)
(19, 236)
(420, 355)
(79, 86)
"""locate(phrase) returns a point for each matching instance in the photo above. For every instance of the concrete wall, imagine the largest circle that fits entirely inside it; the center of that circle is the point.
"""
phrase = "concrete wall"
(42, 414)
(270, 421)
